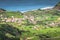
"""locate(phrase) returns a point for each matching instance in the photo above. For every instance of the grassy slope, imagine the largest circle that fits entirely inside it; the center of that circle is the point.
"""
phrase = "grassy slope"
(15, 14)
(52, 15)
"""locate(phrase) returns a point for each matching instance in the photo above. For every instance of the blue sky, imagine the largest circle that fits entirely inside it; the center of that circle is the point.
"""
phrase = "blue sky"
(25, 5)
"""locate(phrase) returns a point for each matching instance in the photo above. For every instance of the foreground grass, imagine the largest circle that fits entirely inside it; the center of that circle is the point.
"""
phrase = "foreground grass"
(34, 34)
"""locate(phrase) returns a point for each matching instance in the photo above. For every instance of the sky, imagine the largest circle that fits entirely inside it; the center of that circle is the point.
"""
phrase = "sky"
(25, 5)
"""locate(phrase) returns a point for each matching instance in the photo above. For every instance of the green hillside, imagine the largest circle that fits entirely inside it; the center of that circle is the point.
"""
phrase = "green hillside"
(15, 14)
(34, 25)
(9, 14)
(46, 20)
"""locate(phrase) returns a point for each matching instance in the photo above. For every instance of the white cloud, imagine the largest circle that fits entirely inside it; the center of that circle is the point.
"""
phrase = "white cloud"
(49, 7)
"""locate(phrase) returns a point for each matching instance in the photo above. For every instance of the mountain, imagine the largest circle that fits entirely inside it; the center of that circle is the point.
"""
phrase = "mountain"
(2, 10)
(57, 6)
